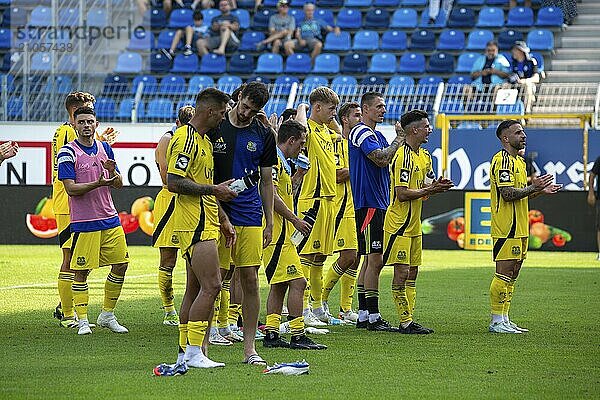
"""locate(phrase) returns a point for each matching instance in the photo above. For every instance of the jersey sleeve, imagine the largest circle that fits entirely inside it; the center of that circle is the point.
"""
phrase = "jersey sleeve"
(504, 174)
(269, 155)
(402, 170)
(276, 173)
(365, 139)
(180, 155)
(66, 163)
(110, 153)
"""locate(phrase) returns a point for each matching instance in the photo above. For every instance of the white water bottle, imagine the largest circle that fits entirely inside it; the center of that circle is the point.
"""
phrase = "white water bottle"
(246, 182)
(310, 216)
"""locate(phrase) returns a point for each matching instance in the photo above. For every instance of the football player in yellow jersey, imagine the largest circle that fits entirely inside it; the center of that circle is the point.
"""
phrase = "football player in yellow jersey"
(411, 181)
(163, 237)
(282, 264)
(346, 242)
(197, 222)
(509, 194)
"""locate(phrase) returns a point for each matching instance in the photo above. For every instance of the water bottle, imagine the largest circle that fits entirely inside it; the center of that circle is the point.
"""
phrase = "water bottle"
(246, 182)
(310, 216)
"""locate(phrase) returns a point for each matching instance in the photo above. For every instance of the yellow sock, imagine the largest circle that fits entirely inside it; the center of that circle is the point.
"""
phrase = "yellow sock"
(233, 313)
(183, 337)
(273, 322)
(65, 293)
(316, 284)
(306, 272)
(217, 310)
(498, 290)
(331, 278)
(401, 302)
(112, 291)
(196, 332)
(224, 307)
(348, 282)
(510, 290)
(165, 285)
(297, 326)
(411, 294)
(81, 297)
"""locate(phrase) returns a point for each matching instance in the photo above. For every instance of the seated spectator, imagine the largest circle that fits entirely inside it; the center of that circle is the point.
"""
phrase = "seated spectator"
(568, 7)
(170, 5)
(222, 33)
(145, 5)
(309, 35)
(489, 70)
(281, 28)
(193, 34)
(8, 150)
(524, 71)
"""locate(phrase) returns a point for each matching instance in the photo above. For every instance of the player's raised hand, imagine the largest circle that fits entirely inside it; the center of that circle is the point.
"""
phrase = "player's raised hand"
(551, 189)
(541, 182)
(222, 191)
(441, 185)
(229, 232)
(110, 166)
(302, 226)
(102, 181)
(399, 130)
(109, 135)
(8, 149)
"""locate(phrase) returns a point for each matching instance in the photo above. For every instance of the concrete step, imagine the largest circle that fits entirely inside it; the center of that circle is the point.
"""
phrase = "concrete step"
(583, 30)
(578, 43)
(576, 54)
(586, 18)
(572, 77)
(575, 65)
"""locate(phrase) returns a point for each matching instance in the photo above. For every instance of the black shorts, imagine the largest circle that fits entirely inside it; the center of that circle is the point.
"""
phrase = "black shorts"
(369, 229)
(598, 214)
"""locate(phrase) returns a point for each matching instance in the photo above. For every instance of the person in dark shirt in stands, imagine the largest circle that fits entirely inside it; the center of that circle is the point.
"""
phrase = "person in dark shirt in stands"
(223, 32)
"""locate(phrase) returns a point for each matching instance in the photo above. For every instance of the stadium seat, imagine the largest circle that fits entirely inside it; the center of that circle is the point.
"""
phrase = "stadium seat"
(126, 108)
(428, 85)
(440, 21)
(497, 2)
(412, 63)
(540, 60)
(105, 108)
(394, 110)
(377, 18)
(349, 18)
(15, 107)
(461, 18)
(10, 82)
(330, 3)
(208, 14)
(421, 104)
(549, 16)
(259, 78)
(228, 83)
(507, 38)
(172, 84)
(393, 40)
(185, 64)
(6, 62)
(241, 63)
(383, 63)
(400, 85)
(358, 3)
(68, 63)
(269, 64)
(181, 17)
(14, 16)
(261, 19)
(155, 19)
(386, 3)
(160, 109)
(199, 82)
(459, 80)
(275, 106)
(327, 64)
(299, 3)
(40, 16)
(422, 40)
(243, 16)
(441, 63)
(470, 2)
(511, 109)
(469, 125)
(41, 62)
(298, 63)
(283, 85)
(213, 64)
(165, 38)
(250, 39)
(354, 63)
(5, 38)
(344, 85)
(404, 18)
(311, 82)
(150, 84)
(451, 39)
(298, 15)
(115, 85)
(452, 107)
(540, 39)
(365, 40)
(490, 17)
(60, 84)
(159, 63)
(183, 103)
(373, 83)
(129, 63)
(141, 41)
(68, 16)
(520, 16)
(465, 62)
(478, 39)
(98, 17)
(339, 42)
(325, 15)
(269, 3)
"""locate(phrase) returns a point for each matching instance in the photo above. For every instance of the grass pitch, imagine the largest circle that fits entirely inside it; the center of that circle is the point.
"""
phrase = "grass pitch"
(556, 298)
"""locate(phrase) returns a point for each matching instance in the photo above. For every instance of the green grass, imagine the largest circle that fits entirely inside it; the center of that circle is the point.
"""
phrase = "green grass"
(556, 298)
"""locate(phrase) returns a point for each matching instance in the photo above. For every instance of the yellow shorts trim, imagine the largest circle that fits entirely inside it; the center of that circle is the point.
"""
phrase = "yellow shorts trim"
(345, 237)
(402, 249)
(186, 239)
(321, 238)
(63, 223)
(282, 263)
(164, 206)
(91, 250)
(510, 248)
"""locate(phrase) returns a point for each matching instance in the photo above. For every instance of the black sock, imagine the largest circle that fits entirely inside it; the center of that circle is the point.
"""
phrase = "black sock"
(372, 301)
(362, 302)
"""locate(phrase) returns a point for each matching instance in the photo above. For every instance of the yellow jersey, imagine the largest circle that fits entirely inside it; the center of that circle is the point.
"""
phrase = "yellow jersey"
(190, 155)
(409, 169)
(509, 218)
(283, 183)
(319, 181)
(64, 134)
(343, 203)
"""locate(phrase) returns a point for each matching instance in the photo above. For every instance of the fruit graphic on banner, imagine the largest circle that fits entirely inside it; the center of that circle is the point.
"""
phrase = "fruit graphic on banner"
(129, 222)
(42, 223)
(540, 233)
(453, 221)
(142, 209)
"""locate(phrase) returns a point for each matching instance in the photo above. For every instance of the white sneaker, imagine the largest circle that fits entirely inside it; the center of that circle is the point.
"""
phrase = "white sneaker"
(311, 320)
(315, 331)
(516, 327)
(325, 307)
(284, 327)
(326, 317)
(108, 320)
(230, 335)
(501, 327)
(349, 316)
(84, 327)
(216, 338)
(284, 311)
(196, 359)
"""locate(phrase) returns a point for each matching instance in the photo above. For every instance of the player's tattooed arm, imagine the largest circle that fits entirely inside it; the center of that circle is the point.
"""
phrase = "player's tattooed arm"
(383, 157)
(181, 185)
(510, 193)
(539, 184)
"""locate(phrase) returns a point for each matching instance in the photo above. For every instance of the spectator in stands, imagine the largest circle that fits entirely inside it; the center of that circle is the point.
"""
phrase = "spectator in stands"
(281, 28)
(513, 3)
(7, 150)
(568, 7)
(222, 33)
(309, 35)
(193, 34)
(170, 5)
(434, 9)
(145, 5)
(489, 70)
(524, 71)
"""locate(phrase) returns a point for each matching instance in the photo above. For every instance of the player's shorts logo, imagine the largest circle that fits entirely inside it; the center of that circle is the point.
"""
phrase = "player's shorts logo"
(516, 250)
(81, 261)
(376, 245)
(182, 162)
(251, 146)
(291, 270)
(504, 176)
(174, 239)
(404, 175)
(341, 242)
(401, 255)
(317, 244)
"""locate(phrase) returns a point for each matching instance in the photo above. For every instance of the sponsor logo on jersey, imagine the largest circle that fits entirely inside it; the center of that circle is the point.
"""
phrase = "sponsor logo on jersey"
(251, 146)
(504, 176)
(376, 245)
(219, 146)
(182, 162)
(404, 175)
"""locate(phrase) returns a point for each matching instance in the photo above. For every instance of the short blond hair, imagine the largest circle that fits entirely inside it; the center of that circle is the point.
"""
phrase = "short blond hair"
(324, 95)
(185, 114)
(78, 99)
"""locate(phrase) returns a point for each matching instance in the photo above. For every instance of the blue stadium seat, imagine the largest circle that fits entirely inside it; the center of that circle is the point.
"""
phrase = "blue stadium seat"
(339, 42)
(383, 63)
(355, 63)
(400, 85)
(469, 125)
(311, 82)
(97, 17)
(159, 63)
(115, 84)
(275, 106)
(261, 19)
(299, 3)
(497, 2)
(540, 39)
(155, 18)
(490, 17)
(241, 63)
(243, 16)
(520, 16)
(440, 21)
(68, 63)
(386, 3)
(40, 16)
(15, 107)
(358, 3)
(394, 109)
(298, 63)
(365, 40)
(259, 78)
(160, 109)
(228, 83)
(185, 64)
(150, 84)
(213, 64)
(421, 104)
(412, 63)
(269, 64)
(549, 16)
(183, 103)
(325, 15)
(540, 60)
(377, 18)
(165, 38)
(511, 109)
(327, 64)
(450, 107)
(10, 82)
(404, 18)
(330, 3)
(41, 62)
(14, 16)
(269, 3)
(129, 63)
(126, 107)
(172, 84)
(283, 85)
(459, 80)
(349, 18)
(393, 40)
(461, 18)
(298, 15)
(61, 84)
(68, 16)
(208, 14)
(507, 38)
(422, 40)
(441, 63)
(105, 108)
(428, 85)
(250, 39)
(478, 39)
(6, 62)
(451, 39)
(414, 3)
(5, 38)
(470, 2)
(141, 41)
(181, 17)
(199, 82)
(465, 62)
(344, 85)
(373, 80)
